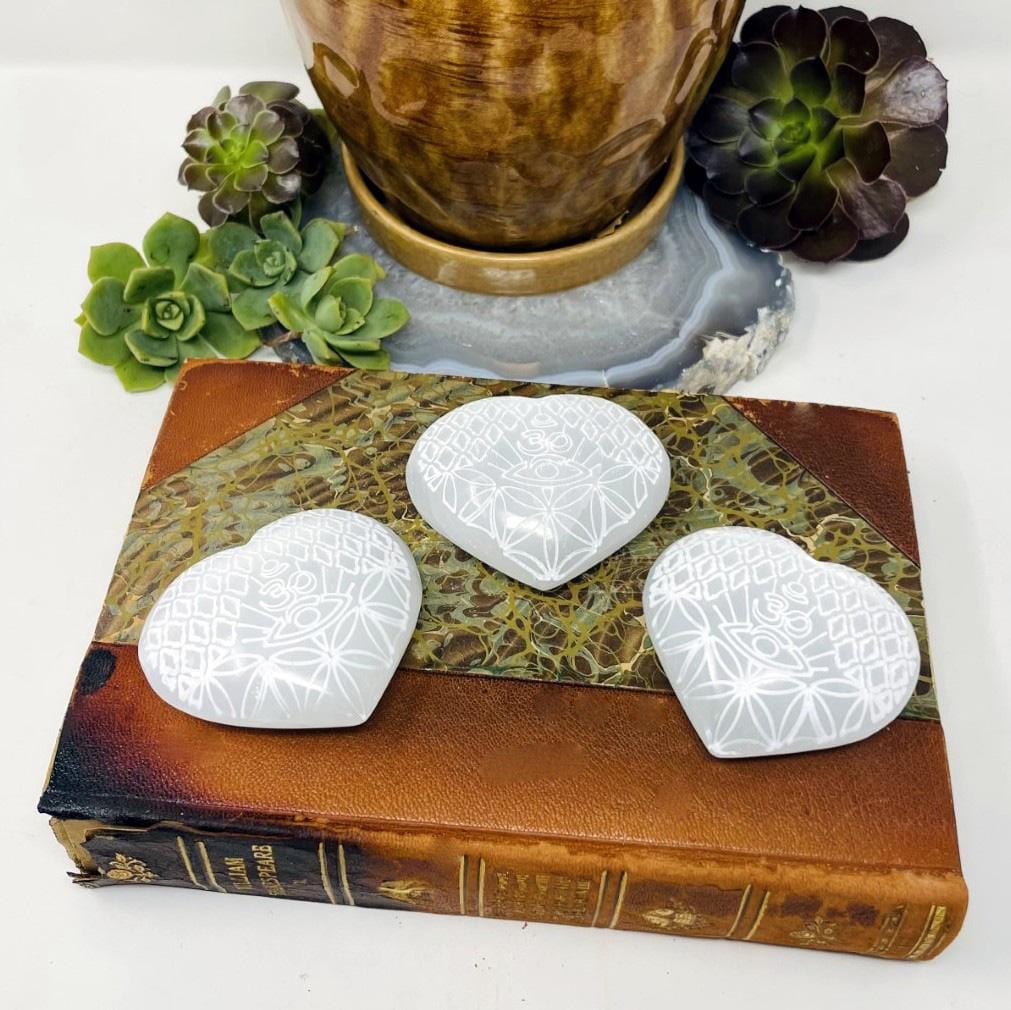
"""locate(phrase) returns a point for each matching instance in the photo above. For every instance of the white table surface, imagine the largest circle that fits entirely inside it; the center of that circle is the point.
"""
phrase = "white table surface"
(93, 98)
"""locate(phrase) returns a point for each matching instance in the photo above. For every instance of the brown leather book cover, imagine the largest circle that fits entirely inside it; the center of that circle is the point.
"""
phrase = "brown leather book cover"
(528, 759)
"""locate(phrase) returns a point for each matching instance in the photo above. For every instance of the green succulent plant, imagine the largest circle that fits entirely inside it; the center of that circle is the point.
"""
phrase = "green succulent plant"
(253, 152)
(337, 316)
(146, 314)
(819, 127)
(293, 277)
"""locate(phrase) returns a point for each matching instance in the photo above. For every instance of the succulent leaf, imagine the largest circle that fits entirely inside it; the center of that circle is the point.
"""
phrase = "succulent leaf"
(171, 242)
(110, 350)
(818, 129)
(320, 241)
(137, 377)
(105, 308)
(279, 228)
(226, 241)
(208, 287)
(252, 152)
(224, 334)
(151, 350)
(114, 259)
(146, 282)
(358, 265)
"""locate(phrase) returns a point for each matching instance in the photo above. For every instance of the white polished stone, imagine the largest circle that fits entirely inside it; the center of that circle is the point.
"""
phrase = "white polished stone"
(541, 488)
(300, 628)
(772, 652)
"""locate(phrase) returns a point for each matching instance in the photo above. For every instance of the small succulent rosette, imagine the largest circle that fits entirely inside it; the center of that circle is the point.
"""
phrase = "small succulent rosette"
(253, 152)
(818, 129)
(295, 278)
(146, 314)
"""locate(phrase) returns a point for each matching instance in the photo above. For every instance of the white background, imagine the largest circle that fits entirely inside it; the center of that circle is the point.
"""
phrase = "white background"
(93, 98)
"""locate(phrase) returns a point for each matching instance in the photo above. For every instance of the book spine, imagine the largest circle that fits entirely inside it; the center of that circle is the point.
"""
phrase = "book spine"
(903, 915)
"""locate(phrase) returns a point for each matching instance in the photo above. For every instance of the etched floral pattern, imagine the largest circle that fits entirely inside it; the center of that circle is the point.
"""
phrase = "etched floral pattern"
(347, 447)
(543, 488)
(771, 652)
(301, 627)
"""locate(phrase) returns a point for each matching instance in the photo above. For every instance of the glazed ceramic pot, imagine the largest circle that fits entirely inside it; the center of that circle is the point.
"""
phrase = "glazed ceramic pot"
(512, 124)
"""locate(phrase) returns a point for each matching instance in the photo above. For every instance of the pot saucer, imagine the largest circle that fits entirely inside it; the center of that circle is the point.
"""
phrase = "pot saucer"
(508, 273)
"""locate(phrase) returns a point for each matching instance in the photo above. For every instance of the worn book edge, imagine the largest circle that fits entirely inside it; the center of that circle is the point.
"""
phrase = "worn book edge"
(907, 914)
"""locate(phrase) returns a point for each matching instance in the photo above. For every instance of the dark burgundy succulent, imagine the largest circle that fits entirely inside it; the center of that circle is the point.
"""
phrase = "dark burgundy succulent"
(253, 153)
(819, 127)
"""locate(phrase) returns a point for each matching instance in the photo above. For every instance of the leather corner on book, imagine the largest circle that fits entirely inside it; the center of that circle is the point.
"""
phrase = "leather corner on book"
(255, 391)
(856, 453)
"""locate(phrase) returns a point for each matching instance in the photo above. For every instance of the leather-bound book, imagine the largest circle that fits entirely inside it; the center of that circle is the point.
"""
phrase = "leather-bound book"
(528, 759)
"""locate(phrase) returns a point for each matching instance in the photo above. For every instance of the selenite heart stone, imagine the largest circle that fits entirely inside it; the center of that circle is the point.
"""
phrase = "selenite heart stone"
(539, 488)
(772, 652)
(301, 628)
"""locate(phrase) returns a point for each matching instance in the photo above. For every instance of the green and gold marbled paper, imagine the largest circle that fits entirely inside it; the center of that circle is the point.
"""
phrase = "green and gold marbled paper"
(346, 447)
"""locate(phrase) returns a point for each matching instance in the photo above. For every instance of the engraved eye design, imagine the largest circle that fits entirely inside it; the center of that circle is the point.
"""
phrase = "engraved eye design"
(767, 647)
(550, 471)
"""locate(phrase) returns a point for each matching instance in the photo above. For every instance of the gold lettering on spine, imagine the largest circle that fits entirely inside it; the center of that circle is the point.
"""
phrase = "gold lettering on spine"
(342, 866)
(206, 860)
(238, 873)
(622, 883)
(761, 915)
(600, 897)
(187, 865)
(266, 870)
(740, 911)
(931, 932)
(324, 874)
(480, 887)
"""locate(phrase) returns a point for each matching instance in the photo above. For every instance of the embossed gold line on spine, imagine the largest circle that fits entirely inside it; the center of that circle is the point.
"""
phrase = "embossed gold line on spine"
(740, 911)
(622, 883)
(342, 866)
(931, 931)
(324, 873)
(761, 915)
(181, 846)
(206, 860)
(600, 897)
(480, 887)
(889, 931)
(462, 882)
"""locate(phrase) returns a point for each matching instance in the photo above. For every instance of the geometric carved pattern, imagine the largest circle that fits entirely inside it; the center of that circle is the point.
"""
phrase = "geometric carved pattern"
(771, 652)
(303, 626)
(541, 488)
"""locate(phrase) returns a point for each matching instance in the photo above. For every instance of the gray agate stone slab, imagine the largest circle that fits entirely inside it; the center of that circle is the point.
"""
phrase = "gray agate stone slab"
(541, 488)
(300, 628)
(772, 652)
(697, 311)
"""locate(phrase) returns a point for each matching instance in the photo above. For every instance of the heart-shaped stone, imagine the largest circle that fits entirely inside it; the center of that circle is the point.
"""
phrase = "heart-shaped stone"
(539, 488)
(300, 628)
(772, 652)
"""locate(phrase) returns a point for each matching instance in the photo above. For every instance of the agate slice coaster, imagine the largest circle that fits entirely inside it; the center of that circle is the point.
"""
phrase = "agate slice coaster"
(698, 310)
(772, 652)
(540, 488)
(300, 628)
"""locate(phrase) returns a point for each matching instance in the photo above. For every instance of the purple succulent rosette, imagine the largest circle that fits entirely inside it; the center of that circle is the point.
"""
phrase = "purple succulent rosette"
(254, 152)
(818, 129)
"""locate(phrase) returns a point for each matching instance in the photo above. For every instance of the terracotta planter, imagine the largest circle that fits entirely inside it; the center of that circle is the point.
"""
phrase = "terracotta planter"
(511, 124)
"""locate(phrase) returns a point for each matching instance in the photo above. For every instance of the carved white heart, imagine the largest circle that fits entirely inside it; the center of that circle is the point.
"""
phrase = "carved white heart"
(539, 488)
(300, 628)
(772, 652)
